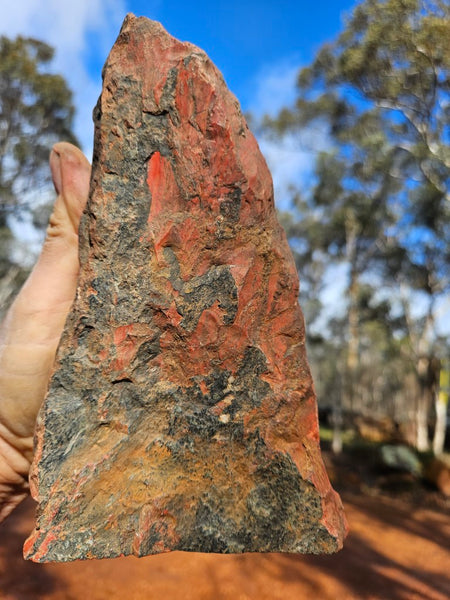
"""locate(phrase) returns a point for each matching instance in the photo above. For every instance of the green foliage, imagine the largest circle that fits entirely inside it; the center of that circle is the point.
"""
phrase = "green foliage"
(380, 202)
(35, 111)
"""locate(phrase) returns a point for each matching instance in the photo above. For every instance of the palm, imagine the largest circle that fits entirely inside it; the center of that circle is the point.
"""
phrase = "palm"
(30, 333)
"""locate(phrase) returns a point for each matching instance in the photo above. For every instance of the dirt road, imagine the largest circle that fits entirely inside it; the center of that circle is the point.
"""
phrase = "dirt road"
(395, 551)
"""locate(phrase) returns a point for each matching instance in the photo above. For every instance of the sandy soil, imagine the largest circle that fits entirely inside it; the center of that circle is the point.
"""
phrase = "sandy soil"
(395, 551)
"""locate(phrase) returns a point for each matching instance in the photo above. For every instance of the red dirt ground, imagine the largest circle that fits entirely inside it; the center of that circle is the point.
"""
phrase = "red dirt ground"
(395, 551)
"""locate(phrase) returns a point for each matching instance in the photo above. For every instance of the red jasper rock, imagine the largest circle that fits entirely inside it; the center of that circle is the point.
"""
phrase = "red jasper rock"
(181, 413)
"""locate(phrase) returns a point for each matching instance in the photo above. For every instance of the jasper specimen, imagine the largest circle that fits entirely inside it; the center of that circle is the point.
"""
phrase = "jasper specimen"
(181, 413)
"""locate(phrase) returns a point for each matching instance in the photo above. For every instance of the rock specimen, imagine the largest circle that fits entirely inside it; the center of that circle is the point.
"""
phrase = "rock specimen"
(181, 413)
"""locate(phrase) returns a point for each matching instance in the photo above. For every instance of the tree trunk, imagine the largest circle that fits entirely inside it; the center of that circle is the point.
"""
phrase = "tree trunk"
(352, 345)
(423, 406)
(427, 369)
(422, 440)
(441, 403)
(336, 443)
(441, 424)
(352, 363)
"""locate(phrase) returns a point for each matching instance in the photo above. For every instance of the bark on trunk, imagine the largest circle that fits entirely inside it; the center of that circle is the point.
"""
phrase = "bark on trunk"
(427, 369)
(423, 406)
(422, 439)
(353, 344)
(441, 423)
(441, 404)
(336, 444)
(338, 417)
(351, 370)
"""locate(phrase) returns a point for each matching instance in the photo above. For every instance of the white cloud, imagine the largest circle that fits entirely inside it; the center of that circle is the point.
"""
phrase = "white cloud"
(70, 27)
(274, 88)
(291, 159)
(289, 164)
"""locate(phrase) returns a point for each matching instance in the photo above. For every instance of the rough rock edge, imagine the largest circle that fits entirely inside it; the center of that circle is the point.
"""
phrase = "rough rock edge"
(39, 545)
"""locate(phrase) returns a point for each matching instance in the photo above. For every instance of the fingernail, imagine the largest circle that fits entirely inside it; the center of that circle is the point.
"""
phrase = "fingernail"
(55, 167)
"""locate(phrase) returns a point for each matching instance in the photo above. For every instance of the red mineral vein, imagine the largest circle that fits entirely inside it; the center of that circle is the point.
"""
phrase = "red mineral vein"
(181, 414)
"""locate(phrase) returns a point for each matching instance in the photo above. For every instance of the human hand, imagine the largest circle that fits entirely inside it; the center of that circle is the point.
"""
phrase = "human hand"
(30, 333)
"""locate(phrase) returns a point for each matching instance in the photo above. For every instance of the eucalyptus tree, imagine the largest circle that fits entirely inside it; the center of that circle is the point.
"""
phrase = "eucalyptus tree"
(380, 202)
(36, 111)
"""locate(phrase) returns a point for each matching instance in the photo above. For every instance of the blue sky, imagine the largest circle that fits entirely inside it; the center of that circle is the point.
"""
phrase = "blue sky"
(258, 45)
(245, 38)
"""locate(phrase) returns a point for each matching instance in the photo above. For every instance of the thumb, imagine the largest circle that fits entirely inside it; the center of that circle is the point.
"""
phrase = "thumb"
(30, 333)
(52, 283)
(70, 173)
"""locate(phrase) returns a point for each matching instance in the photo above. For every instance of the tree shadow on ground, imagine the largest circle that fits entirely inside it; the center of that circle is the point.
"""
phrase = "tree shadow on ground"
(20, 579)
(395, 551)
(364, 570)
(401, 515)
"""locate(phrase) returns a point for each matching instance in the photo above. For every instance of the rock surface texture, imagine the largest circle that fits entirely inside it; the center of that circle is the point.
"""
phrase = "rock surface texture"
(181, 413)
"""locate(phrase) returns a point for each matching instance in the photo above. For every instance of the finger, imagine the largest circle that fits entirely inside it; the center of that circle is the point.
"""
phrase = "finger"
(53, 280)
(70, 172)
(33, 326)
